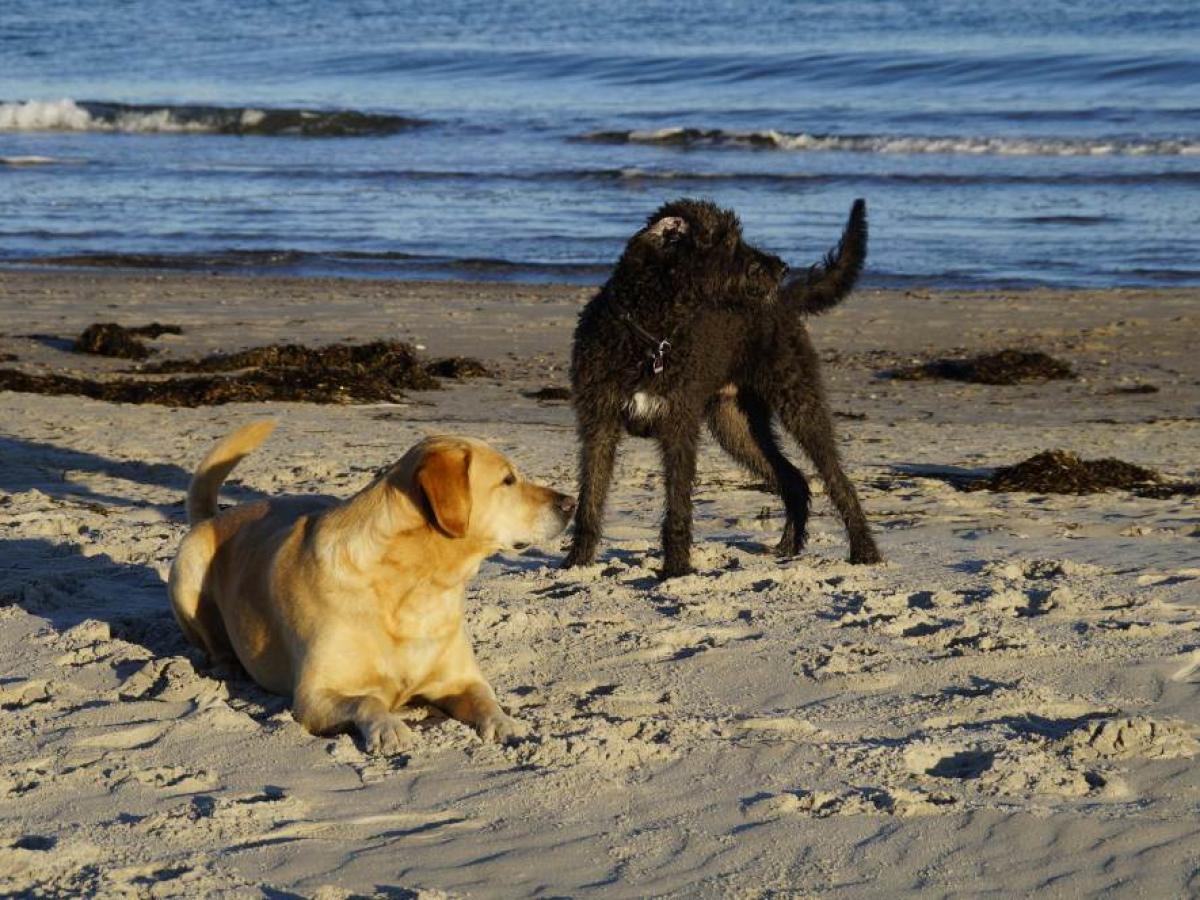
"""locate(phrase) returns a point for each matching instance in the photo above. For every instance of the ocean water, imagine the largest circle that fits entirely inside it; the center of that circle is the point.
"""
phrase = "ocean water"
(1010, 143)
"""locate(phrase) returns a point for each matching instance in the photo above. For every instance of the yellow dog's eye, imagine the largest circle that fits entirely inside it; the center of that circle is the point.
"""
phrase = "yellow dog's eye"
(510, 479)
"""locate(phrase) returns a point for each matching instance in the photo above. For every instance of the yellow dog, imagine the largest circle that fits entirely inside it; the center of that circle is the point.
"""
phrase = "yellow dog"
(354, 608)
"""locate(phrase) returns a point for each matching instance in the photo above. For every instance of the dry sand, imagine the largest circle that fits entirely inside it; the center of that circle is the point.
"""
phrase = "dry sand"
(1007, 706)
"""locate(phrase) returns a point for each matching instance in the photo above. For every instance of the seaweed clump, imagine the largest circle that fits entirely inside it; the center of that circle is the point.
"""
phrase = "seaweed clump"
(377, 356)
(1168, 489)
(550, 393)
(458, 367)
(111, 339)
(395, 360)
(1063, 472)
(1001, 367)
(378, 372)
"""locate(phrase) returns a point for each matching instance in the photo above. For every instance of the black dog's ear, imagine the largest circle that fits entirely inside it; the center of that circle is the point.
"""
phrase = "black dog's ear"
(665, 233)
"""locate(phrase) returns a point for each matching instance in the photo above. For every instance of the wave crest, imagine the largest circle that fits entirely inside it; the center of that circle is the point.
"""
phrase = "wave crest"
(682, 137)
(24, 161)
(72, 115)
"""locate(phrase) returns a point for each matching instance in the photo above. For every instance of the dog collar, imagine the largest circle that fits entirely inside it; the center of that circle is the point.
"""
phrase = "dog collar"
(657, 354)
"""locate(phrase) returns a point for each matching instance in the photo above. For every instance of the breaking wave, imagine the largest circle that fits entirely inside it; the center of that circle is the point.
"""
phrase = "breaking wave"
(900, 144)
(87, 115)
(28, 161)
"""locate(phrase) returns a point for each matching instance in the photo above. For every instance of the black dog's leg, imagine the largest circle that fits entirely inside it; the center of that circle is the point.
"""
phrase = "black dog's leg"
(813, 428)
(742, 426)
(678, 446)
(596, 458)
(793, 485)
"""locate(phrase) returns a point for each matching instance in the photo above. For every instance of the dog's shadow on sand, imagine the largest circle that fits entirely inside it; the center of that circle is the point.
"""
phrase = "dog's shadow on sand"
(33, 465)
(57, 582)
(66, 584)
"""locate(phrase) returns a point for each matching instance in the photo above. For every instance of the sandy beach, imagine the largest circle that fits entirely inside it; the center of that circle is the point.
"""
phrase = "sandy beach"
(1008, 705)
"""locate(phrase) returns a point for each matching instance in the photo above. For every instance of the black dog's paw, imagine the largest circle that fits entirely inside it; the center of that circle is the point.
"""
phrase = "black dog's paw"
(791, 543)
(578, 557)
(664, 575)
(675, 569)
(789, 546)
(865, 556)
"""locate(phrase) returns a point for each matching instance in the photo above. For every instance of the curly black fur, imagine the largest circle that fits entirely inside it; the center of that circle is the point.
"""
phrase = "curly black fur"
(739, 355)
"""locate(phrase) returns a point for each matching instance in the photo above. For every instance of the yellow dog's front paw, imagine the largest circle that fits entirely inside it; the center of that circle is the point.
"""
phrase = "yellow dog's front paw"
(387, 734)
(501, 728)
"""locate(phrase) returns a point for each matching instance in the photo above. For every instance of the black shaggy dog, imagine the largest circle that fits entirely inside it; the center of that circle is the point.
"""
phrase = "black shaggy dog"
(696, 325)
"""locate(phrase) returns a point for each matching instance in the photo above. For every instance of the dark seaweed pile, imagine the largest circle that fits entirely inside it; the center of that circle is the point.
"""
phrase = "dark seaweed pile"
(1135, 389)
(1001, 367)
(155, 330)
(211, 390)
(1168, 489)
(111, 339)
(340, 373)
(458, 367)
(1063, 472)
(550, 393)
(396, 360)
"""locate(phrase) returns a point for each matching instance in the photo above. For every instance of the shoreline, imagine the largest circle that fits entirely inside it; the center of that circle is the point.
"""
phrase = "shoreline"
(1009, 701)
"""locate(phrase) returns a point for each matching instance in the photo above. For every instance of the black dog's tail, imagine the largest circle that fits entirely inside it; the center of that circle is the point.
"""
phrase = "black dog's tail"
(827, 284)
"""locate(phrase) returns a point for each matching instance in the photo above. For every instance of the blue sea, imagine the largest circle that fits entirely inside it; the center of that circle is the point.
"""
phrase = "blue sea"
(997, 144)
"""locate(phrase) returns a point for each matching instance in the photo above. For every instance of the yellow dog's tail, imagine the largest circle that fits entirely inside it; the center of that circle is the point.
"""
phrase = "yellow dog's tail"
(202, 492)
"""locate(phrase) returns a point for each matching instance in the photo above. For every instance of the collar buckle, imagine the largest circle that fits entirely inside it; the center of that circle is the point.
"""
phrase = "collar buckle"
(658, 361)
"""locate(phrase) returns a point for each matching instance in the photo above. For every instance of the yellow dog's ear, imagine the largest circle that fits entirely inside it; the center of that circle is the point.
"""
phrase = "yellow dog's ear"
(442, 478)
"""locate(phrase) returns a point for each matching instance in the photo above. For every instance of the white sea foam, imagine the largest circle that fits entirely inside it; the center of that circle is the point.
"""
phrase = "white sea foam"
(154, 121)
(67, 115)
(73, 115)
(28, 160)
(898, 144)
(44, 115)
